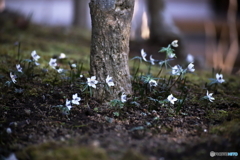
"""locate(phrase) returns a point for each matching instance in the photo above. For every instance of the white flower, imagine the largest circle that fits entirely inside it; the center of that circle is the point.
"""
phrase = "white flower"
(109, 81)
(9, 130)
(92, 81)
(62, 56)
(68, 104)
(76, 99)
(73, 65)
(60, 70)
(171, 99)
(13, 77)
(19, 68)
(144, 54)
(35, 56)
(152, 83)
(177, 70)
(152, 60)
(171, 55)
(174, 43)
(190, 58)
(53, 63)
(219, 78)
(191, 67)
(209, 96)
(123, 97)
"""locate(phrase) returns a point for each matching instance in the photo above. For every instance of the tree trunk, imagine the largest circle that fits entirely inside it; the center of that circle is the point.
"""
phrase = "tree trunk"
(162, 28)
(81, 13)
(111, 23)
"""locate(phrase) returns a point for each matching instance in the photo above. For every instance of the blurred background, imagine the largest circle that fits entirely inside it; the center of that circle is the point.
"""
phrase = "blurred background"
(206, 29)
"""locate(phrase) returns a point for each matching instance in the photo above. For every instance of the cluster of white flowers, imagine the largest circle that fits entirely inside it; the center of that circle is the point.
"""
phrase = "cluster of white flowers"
(92, 81)
(177, 69)
(109, 81)
(35, 57)
(53, 63)
(75, 100)
(219, 79)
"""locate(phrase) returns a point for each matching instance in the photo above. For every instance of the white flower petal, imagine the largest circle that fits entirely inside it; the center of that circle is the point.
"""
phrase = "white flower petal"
(35, 56)
(191, 67)
(123, 97)
(76, 99)
(219, 78)
(152, 60)
(92, 81)
(68, 104)
(174, 43)
(171, 55)
(144, 54)
(73, 65)
(209, 96)
(13, 77)
(60, 70)
(109, 81)
(152, 83)
(177, 70)
(53, 63)
(62, 56)
(171, 99)
(190, 58)
(19, 68)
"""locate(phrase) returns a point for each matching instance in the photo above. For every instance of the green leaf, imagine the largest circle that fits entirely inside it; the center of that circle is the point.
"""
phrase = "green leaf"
(116, 114)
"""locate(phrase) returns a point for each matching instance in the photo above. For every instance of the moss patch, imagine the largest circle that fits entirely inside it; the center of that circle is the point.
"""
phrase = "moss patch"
(49, 151)
(229, 129)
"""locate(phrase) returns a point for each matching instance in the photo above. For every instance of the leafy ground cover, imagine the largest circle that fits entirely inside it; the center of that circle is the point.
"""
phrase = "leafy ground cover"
(36, 123)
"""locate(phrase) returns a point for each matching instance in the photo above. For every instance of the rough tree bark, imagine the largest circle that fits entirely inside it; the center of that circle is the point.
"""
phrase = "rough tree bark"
(111, 23)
